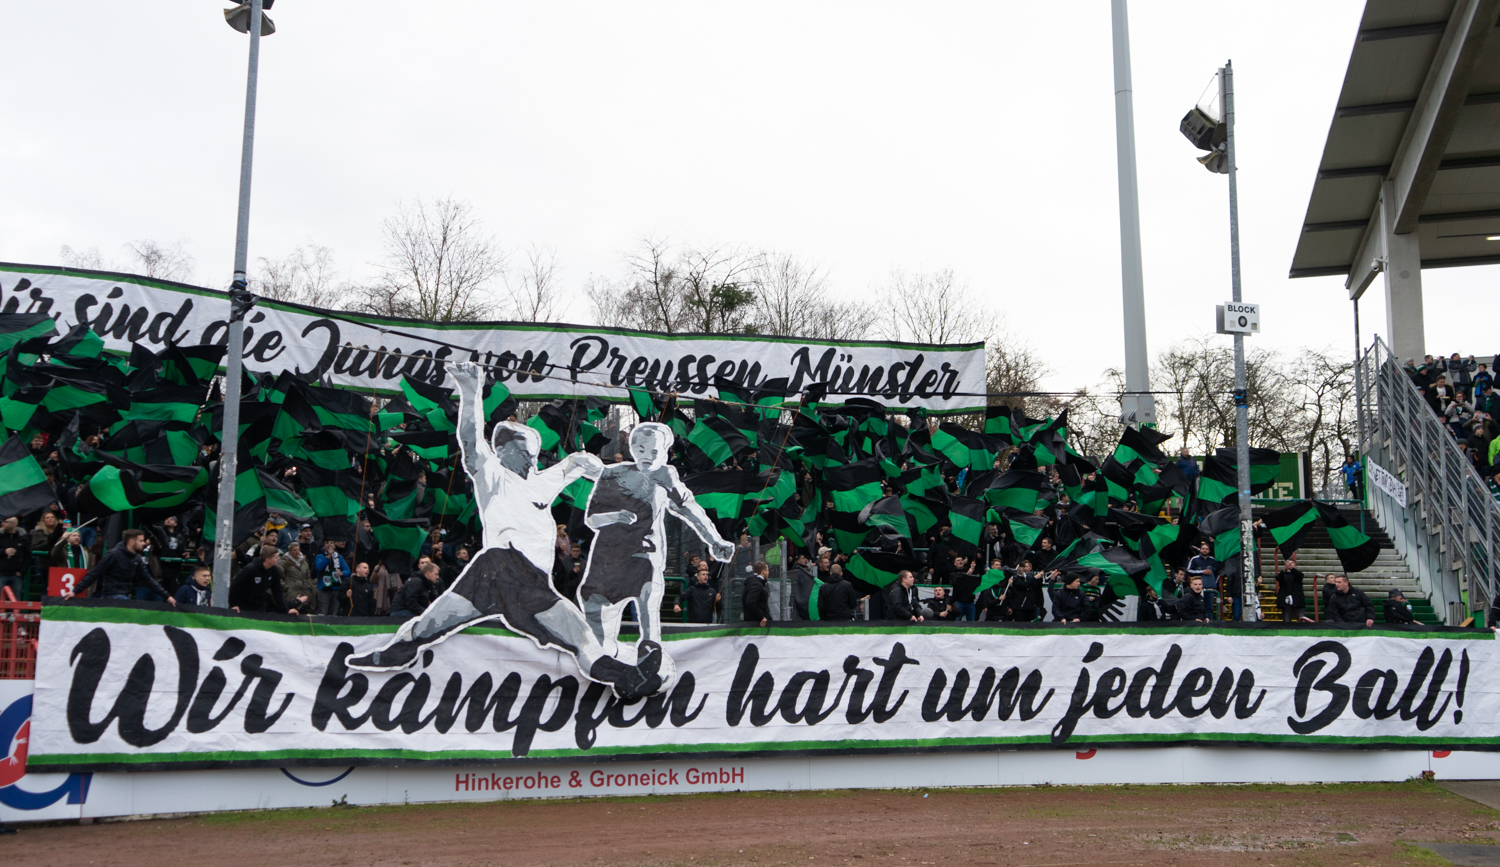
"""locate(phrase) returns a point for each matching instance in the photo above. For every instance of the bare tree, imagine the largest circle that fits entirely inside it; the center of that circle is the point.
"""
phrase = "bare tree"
(1012, 365)
(794, 300)
(1329, 427)
(932, 308)
(304, 276)
(161, 261)
(708, 289)
(439, 265)
(534, 293)
(89, 259)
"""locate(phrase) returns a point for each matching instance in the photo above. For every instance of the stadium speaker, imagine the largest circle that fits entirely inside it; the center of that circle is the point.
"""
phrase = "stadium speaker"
(1202, 130)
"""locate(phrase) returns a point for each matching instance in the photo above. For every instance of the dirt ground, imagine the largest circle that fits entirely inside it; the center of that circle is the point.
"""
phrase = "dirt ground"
(1203, 826)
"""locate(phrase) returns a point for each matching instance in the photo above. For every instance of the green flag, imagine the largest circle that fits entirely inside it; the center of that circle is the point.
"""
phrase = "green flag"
(871, 570)
(399, 540)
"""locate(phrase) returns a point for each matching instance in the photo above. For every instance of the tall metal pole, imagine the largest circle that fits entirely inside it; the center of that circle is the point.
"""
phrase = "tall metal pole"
(1250, 595)
(1137, 400)
(240, 301)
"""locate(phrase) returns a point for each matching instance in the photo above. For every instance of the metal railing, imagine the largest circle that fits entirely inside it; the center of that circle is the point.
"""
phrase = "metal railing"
(1448, 530)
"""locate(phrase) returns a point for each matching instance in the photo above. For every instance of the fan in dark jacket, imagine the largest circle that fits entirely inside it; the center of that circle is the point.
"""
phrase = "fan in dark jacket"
(697, 598)
(1191, 605)
(417, 593)
(755, 604)
(257, 587)
(1348, 604)
(361, 592)
(122, 570)
(838, 600)
(804, 578)
(1068, 602)
(1397, 609)
(901, 601)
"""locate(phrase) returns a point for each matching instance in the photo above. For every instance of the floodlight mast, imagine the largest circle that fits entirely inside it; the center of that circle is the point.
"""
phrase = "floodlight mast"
(1138, 407)
(240, 301)
(1250, 594)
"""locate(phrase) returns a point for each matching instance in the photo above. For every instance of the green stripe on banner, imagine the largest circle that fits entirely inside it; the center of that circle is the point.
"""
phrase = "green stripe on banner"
(69, 760)
(63, 612)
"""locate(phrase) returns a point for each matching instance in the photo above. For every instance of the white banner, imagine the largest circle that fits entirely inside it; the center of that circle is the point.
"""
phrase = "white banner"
(548, 361)
(1385, 481)
(123, 687)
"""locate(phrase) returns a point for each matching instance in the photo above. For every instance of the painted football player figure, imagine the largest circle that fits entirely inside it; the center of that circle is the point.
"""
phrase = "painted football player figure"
(627, 511)
(510, 578)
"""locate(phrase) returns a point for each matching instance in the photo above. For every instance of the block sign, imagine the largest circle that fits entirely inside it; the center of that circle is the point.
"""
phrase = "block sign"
(1241, 318)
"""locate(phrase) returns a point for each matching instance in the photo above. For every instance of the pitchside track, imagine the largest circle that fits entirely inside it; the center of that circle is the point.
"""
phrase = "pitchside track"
(1201, 826)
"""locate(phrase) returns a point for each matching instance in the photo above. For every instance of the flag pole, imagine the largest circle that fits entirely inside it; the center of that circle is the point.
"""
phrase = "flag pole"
(1250, 598)
(240, 301)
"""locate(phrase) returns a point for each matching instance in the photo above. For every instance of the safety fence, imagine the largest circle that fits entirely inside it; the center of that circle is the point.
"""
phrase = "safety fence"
(1446, 522)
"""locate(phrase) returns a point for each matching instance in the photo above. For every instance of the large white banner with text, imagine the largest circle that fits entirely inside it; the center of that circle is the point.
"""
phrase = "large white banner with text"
(125, 686)
(533, 360)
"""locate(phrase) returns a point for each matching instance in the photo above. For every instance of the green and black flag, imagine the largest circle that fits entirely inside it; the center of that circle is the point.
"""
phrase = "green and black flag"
(17, 328)
(886, 512)
(966, 517)
(1021, 490)
(869, 571)
(433, 445)
(23, 485)
(1357, 552)
(713, 441)
(1141, 444)
(967, 449)
(1289, 526)
(1221, 528)
(399, 540)
(723, 495)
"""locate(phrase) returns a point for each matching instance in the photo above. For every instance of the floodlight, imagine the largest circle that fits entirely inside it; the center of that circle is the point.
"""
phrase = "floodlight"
(239, 18)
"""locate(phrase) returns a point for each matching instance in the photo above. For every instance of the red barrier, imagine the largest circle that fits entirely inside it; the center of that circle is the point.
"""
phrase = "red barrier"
(19, 625)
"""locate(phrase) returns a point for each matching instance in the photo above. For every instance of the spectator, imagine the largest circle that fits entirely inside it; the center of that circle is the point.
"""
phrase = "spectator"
(1353, 473)
(756, 601)
(70, 551)
(386, 586)
(939, 607)
(1330, 584)
(258, 586)
(965, 586)
(1042, 557)
(1483, 379)
(837, 600)
(803, 581)
(902, 601)
(699, 599)
(1194, 604)
(361, 592)
(1290, 595)
(1397, 609)
(297, 579)
(121, 571)
(1204, 567)
(417, 593)
(1022, 598)
(172, 544)
(1349, 604)
(331, 571)
(14, 549)
(45, 534)
(1186, 465)
(195, 591)
(1068, 602)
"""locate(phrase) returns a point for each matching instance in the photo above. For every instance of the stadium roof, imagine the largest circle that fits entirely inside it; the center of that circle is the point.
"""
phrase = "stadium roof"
(1420, 108)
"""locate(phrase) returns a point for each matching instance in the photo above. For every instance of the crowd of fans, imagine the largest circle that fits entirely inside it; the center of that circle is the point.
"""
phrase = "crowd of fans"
(288, 567)
(1463, 394)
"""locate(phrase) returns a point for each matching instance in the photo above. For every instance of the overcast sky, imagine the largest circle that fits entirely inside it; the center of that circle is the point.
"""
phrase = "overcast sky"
(860, 136)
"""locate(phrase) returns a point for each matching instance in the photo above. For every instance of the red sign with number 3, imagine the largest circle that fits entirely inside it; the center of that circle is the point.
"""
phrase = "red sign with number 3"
(60, 578)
